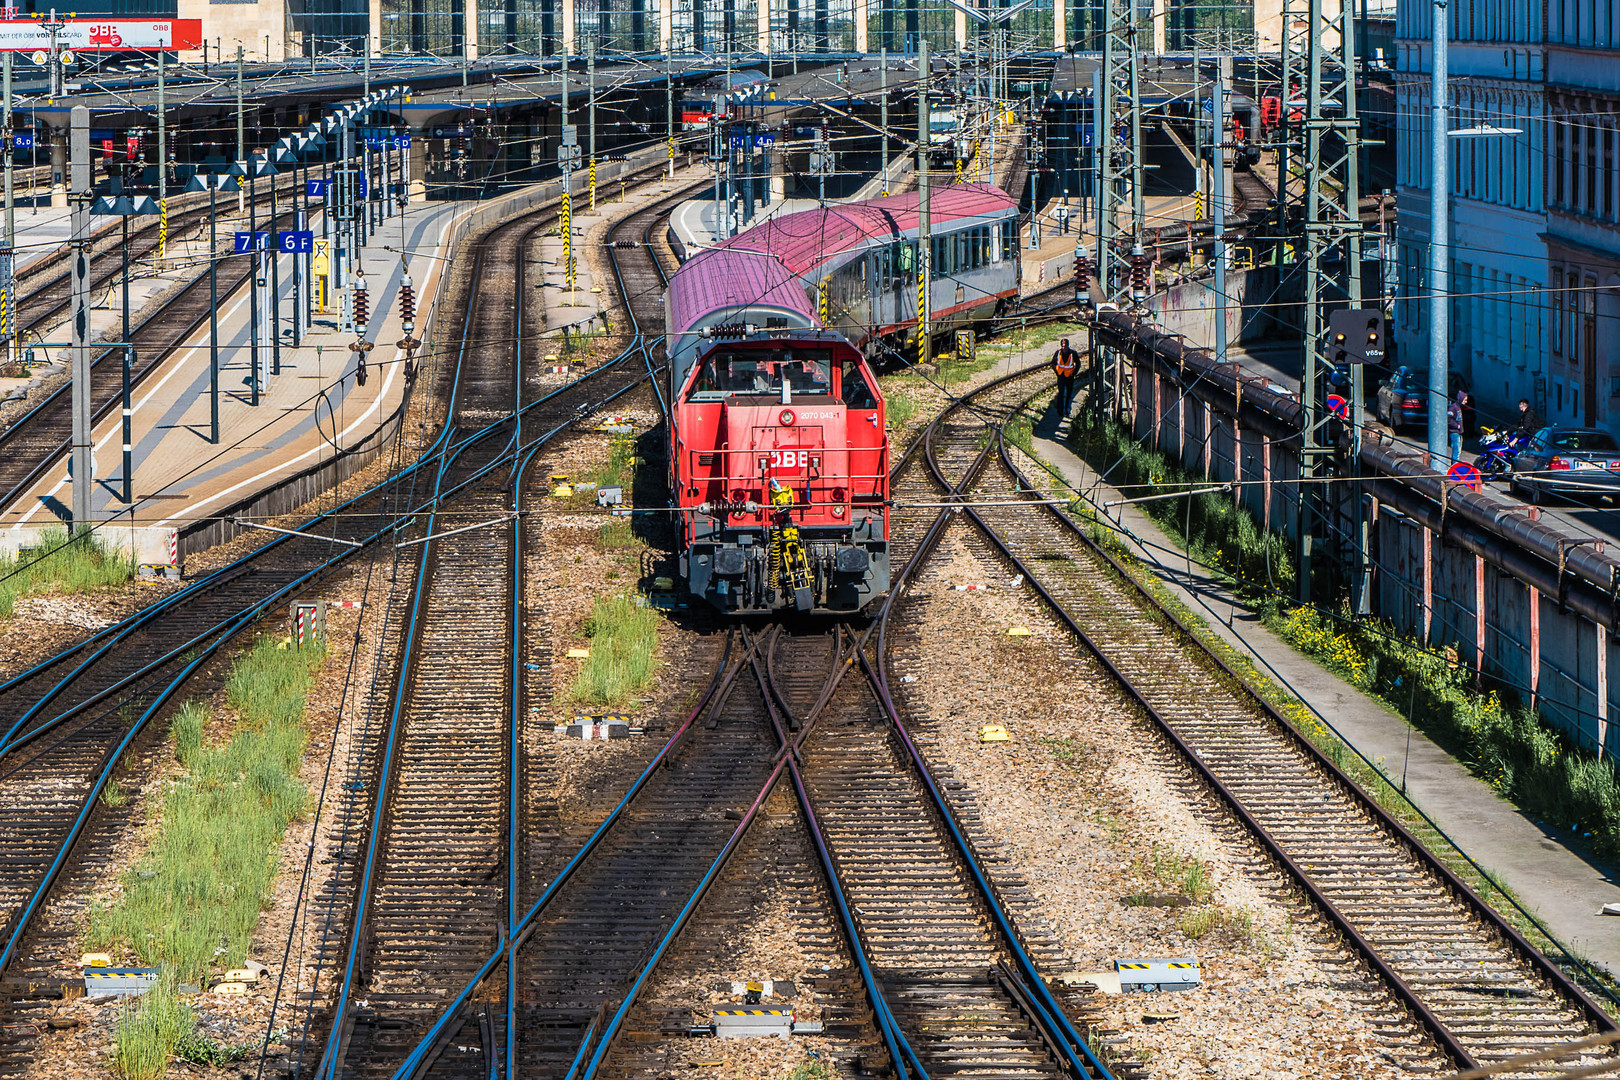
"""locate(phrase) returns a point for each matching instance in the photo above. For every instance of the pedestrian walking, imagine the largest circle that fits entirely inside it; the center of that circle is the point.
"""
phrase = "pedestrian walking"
(1454, 423)
(1065, 362)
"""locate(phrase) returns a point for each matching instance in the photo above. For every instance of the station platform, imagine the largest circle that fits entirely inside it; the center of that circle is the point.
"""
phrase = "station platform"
(695, 223)
(310, 408)
(314, 405)
(1565, 890)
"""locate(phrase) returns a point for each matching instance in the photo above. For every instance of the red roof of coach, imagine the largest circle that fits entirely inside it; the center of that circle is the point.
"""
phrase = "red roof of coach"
(802, 241)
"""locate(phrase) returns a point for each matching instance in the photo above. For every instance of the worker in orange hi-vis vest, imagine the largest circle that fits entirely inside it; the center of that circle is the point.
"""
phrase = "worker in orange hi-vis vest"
(1065, 362)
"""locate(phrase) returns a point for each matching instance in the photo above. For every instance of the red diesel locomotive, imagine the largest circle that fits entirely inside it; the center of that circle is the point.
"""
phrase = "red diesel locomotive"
(779, 460)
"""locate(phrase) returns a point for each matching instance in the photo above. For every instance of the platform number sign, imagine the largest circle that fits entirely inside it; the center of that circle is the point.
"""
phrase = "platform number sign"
(22, 140)
(296, 242)
(252, 241)
(316, 189)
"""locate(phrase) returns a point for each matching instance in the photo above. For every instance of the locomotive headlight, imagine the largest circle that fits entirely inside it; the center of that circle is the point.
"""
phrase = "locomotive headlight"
(786, 419)
(838, 511)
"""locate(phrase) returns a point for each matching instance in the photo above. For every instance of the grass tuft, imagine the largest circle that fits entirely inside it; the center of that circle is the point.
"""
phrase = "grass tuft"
(1200, 922)
(898, 409)
(149, 1027)
(1187, 875)
(74, 565)
(619, 465)
(195, 897)
(615, 534)
(186, 729)
(624, 639)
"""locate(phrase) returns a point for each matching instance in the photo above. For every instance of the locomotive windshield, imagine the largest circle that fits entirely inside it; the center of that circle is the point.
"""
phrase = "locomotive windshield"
(725, 372)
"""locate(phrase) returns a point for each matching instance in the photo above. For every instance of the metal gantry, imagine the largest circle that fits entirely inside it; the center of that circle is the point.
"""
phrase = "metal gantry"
(1117, 139)
(1319, 50)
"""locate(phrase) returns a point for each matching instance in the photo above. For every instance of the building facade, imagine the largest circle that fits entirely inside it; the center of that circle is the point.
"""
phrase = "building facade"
(1535, 209)
(279, 29)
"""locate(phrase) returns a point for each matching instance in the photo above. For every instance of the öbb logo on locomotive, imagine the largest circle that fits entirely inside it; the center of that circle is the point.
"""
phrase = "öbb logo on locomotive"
(779, 459)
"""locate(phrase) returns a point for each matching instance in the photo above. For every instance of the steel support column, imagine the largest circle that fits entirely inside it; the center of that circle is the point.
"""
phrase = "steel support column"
(1330, 240)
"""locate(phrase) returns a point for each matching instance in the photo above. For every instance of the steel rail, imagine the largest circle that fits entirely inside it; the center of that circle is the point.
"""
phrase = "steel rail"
(428, 1049)
(888, 1026)
(1593, 1013)
(1402, 991)
(331, 1061)
(441, 453)
(420, 1059)
(1078, 1055)
(240, 621)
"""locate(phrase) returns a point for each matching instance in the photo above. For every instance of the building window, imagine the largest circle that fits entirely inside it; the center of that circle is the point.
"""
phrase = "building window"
(1589, 137)
(1608, 171)
(1557, 312)
(1558, 162)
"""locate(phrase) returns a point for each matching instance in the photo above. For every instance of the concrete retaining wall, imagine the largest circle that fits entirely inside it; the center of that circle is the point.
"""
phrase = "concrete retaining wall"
(1518, 596)
(149, 545)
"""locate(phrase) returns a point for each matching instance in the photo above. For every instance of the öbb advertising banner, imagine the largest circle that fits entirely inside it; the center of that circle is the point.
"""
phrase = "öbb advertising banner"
(102, 35)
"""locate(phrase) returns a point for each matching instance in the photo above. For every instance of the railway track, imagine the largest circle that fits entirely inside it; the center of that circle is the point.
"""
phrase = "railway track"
(1469, 981)
(430, 901)
(66, 725)
(924, 924)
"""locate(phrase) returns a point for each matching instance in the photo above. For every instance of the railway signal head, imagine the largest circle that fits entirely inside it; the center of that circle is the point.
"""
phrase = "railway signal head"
(1356, 336)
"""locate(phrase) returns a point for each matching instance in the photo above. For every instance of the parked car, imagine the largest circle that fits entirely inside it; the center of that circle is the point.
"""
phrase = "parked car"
(1403, 400)
(1577, 463)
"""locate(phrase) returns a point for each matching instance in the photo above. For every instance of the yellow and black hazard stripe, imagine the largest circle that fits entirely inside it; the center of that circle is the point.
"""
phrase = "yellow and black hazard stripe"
(750, 1012)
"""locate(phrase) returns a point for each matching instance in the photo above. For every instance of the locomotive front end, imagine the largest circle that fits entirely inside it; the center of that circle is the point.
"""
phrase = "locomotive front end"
(782, 467)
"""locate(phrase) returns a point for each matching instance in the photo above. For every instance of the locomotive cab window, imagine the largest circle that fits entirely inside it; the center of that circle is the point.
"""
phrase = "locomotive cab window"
(727, 372)
(857, 395)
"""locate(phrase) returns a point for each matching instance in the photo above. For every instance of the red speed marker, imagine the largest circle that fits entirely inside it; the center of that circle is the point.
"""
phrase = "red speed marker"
(1465, 474)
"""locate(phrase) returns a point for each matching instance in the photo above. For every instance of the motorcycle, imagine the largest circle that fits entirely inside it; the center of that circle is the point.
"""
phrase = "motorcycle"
(1497, 451)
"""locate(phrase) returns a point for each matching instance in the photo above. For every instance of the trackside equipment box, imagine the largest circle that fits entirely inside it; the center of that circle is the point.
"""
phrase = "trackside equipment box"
(752, 1023)
(1146, 976)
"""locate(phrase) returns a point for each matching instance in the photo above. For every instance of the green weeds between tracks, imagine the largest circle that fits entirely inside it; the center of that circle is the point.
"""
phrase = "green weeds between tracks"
(624, 640)
(898, 409)
(195, 897)
(620, 464)
(615, 534)
(72, 565)
(157, 1025)
(148, 1029)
